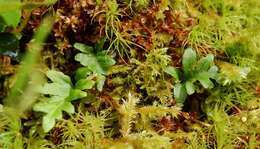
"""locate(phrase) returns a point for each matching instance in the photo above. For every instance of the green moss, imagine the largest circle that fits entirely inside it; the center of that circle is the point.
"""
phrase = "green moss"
(126, 98)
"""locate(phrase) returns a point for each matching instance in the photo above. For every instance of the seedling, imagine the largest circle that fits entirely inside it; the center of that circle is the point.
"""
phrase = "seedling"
(61, 92)
(95, 60)
(192, 71)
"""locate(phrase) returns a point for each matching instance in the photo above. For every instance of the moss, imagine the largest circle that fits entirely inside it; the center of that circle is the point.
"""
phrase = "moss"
(135, 107)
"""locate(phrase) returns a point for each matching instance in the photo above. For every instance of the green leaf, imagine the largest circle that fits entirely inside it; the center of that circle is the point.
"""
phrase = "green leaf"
(99, 64)
(48, 123)
(205, 63)
(55, 89)
(46, 104)
(58, 77)
(204, 79)
(61, 94)
(2, 24)
(83, 48)
(202, 70)
(90, 61)
(105, 61)
(84, 84)
(189, 59)
(53, 109)
(68, 107)
(82, 73)
(189, 87)
(173, 72)
(8, 42)
(100, 44)
(100, 82)
(204, 76)
(76, 94)
(180, 93)
(11, 12)
(213, 71)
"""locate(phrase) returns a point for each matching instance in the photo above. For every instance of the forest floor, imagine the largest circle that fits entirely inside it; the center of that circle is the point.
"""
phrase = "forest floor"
(130, 74)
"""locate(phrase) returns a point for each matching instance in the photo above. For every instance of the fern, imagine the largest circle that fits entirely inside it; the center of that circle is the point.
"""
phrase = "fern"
(96, 62)
(61, 93)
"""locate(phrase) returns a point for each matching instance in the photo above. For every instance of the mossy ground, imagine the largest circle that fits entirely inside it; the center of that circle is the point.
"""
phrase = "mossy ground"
(136, 107)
